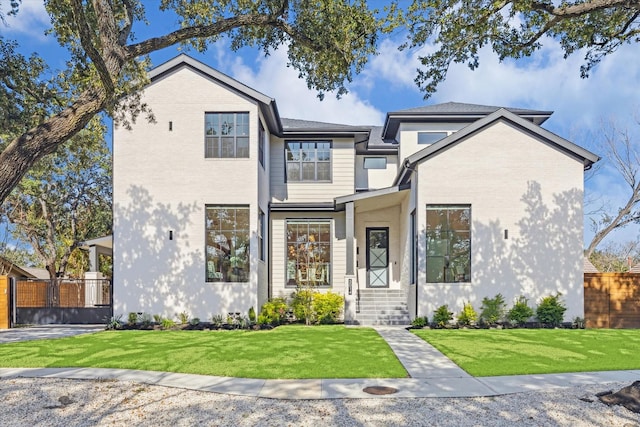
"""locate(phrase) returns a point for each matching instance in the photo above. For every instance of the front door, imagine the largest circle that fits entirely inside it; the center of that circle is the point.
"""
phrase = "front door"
(378, 257)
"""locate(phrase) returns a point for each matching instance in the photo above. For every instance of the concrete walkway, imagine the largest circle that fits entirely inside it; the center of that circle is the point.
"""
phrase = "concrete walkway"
(432, 375)
(41, 332)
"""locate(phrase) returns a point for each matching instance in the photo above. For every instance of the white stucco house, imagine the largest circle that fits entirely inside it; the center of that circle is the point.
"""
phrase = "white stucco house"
(221, 204)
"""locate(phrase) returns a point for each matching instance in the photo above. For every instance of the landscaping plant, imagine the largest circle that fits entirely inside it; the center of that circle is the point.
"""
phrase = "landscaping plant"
(520, 312)
(442, 316)
(302, 305)
(420, 322)
(551, 310)
(183, 317)
(273, 312)
(468, 315)
(327, 307)
(133, 318)
(492, 309)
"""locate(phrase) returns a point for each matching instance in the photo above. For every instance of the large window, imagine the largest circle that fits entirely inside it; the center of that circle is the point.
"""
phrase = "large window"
(261, 144)
(308, 253)
(227, 243)
(308, 160)
(226, 135)
(448, 243)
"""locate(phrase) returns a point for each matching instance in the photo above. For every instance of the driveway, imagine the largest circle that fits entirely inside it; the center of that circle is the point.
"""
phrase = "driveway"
(46, 332)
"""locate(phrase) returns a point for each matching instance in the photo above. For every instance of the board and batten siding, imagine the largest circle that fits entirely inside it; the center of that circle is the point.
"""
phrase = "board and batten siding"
(162, 183)
(279, 251)
(517, 182)
(342, 175)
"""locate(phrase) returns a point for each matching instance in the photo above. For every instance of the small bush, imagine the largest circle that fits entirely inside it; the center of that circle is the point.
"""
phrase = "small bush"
(114, 322)
(167, 323)
(217, 320)
(420, 322)
(468, 315)
(194, 322)
(145, 320)
(157, 318)
(273, 312)
(551, 310)
(302, 305)
(442, 316)
(133, 318)
(520, 312)
(183, 318)
(252, 315)
(327, 307)
(492, 309)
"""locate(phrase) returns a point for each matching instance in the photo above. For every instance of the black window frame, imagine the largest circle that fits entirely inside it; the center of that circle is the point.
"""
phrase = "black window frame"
(221, 266)
(443, 134)
(290, 159)
(456, 267)
(210, 135)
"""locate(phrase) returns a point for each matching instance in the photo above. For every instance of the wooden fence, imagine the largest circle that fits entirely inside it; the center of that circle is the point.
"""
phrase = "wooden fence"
(612, 300)
(41, 294)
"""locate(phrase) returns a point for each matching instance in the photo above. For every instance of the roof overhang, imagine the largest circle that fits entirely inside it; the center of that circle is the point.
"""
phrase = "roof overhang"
(104, 242)
(302, 207)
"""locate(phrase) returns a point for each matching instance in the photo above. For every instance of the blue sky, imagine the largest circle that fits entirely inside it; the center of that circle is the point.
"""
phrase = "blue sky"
(546, 81)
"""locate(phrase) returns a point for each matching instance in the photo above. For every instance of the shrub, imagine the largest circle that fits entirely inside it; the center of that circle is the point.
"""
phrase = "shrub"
(157, 318)
(468, 315)
(183, 318)
(194, 322)
(167, 323)
(133, 318)
(327, 307)
(551, 310)
(520, 312)
(302, 305)
(145, 320)
(217, 320)
(252, 315)
(492, 309)
(114, 322)
(420, 322)
(273, 311)
(442, 316)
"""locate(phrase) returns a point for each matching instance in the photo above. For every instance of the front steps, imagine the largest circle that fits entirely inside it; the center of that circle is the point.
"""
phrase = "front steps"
(382, 307)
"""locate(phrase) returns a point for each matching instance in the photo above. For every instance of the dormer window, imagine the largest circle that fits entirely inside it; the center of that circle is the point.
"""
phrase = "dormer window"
(428, 138)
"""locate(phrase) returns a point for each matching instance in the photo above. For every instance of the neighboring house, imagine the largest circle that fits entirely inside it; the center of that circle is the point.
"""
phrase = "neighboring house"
(589, 267)
(8, 268)
(221, 204)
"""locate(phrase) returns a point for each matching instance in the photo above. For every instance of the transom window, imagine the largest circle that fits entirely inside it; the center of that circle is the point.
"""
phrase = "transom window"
(428, 138)
(227, 243)
(448, 243)
(308, 160)
(226, 135)
(308, 253)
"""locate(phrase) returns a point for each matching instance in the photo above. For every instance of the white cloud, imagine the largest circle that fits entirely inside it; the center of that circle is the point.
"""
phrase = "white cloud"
(271, 76)
(32, 20)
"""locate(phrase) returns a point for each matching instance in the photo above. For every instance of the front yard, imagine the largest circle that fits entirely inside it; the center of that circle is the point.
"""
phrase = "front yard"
(537, 351)
(285, 352)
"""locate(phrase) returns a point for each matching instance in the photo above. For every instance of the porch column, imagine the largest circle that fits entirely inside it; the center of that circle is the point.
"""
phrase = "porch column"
(349, 219)
(94, 259)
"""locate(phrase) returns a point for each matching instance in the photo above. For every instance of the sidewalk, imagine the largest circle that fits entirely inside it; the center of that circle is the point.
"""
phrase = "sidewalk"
(431, 375)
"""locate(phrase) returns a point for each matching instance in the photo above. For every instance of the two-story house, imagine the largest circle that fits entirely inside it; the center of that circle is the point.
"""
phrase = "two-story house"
(220, 204)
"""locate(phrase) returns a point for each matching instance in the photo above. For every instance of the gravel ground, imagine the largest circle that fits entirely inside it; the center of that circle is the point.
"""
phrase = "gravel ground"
(61, 402)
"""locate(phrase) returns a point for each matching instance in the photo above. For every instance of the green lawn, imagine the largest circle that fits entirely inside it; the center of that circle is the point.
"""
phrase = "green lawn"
(285, 352)
(536, 351)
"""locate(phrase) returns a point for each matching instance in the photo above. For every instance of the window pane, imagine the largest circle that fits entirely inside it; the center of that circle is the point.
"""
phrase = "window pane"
(308, 152)
(242, 147)
(448, 244)
(242, 126)
(308, 253)
(226, 124)
(227, 245)
(324, 171)
(308, 171)
(228, 150)
(375, 162)
(293, 171)
(430, 137)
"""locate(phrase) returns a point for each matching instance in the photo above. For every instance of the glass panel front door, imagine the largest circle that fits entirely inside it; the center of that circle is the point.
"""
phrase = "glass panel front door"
(378, 257)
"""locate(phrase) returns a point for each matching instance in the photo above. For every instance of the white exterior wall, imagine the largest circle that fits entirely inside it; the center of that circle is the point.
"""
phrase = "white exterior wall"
(517, 183)
(162, 182)
(342, 175)
(408, 135)
(279, 251)
(373, 179)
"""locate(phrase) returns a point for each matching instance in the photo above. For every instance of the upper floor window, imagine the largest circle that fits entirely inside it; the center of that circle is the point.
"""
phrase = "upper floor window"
(430, 137)
(448, 243)
(226, 135)
(375, 162)
(308, 160)
(261, 143)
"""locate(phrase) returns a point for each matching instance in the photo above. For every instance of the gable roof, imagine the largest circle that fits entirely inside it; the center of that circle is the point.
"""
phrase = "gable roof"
(589, 267)
(454, 112)
(635, 269)
(588, 158)
(16, 270)
(267, 105)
